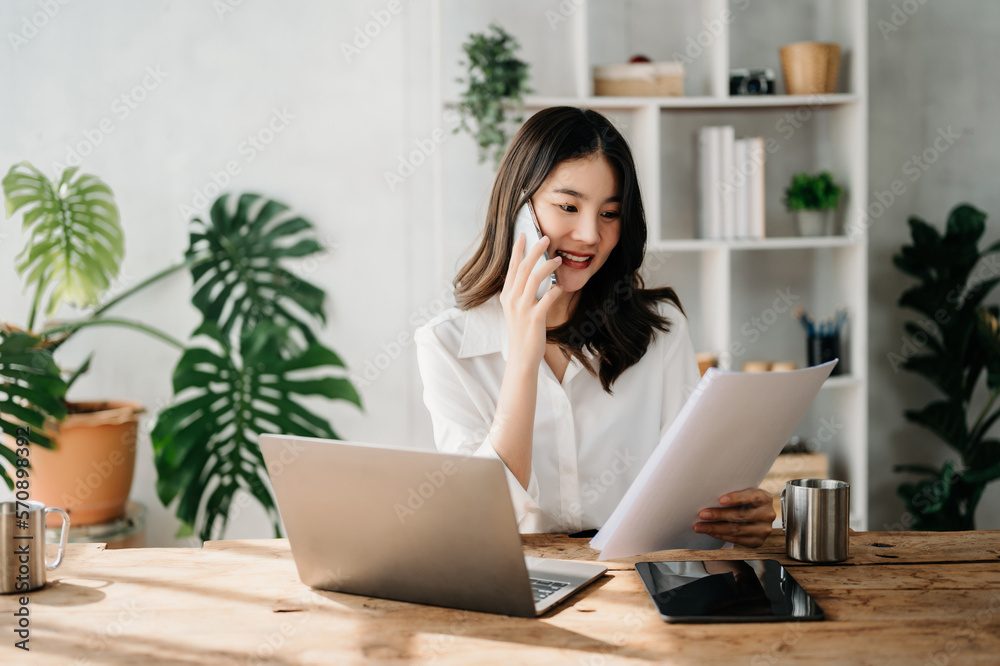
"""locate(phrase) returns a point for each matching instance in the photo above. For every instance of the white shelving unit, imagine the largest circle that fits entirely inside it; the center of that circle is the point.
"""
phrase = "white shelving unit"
(731, 290)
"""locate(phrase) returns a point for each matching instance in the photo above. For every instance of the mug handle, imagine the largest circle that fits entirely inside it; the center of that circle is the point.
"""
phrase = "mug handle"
(63, 534)
(784, 512)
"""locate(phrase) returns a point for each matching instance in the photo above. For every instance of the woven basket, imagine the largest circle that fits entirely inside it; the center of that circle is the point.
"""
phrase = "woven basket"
(810, 68)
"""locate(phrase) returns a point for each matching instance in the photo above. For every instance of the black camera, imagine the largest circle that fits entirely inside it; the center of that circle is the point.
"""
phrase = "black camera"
(751, 81)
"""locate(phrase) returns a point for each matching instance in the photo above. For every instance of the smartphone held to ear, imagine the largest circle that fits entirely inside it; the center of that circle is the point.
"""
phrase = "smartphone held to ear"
(526, 224)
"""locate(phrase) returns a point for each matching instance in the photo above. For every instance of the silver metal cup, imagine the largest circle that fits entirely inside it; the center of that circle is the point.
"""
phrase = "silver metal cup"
(22, 545)
(815, 514)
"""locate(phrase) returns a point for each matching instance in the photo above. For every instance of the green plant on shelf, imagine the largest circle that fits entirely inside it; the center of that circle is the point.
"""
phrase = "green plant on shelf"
(817, 192)
(495, 79)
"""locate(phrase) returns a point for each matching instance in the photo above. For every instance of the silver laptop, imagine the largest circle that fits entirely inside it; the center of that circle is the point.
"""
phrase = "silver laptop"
(419, 526)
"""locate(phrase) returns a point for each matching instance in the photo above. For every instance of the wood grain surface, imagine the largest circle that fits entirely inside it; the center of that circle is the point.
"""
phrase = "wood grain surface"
(901, 598)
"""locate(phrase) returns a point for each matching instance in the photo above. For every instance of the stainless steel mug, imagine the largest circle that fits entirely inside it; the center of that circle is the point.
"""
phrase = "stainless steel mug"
(815, 514)
(22, 540)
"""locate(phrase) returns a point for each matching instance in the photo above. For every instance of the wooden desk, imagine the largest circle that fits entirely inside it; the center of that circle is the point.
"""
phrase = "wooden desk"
(904, 598)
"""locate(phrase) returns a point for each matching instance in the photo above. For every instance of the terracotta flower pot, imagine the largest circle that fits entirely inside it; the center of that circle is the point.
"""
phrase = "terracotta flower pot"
(89, 474)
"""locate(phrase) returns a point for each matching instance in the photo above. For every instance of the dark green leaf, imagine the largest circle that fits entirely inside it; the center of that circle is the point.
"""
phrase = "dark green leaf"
(944, 418)
(242, 278)
(31, 390)
(205, 443)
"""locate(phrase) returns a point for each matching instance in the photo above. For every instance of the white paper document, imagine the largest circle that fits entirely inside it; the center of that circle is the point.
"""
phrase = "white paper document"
(725, 438)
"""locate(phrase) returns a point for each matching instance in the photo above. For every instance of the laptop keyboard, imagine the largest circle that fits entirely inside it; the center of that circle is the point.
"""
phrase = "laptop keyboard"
(542, 588)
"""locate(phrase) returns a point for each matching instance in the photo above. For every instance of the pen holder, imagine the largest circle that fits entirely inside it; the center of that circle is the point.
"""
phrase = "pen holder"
(823, 348)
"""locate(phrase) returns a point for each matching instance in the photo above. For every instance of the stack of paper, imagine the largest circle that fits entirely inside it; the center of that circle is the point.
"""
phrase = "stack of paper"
(724, 439)
(730, 184)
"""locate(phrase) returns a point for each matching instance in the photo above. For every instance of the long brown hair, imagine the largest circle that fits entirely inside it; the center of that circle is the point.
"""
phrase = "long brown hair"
(615, 317)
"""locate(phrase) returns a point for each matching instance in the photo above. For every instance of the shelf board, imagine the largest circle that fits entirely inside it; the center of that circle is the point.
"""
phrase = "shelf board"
(789, 243)
(667, 103)
(842, 381)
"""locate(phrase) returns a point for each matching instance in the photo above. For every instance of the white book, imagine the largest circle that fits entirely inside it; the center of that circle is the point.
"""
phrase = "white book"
(725, 438)
(741, 226)
(755, 186)
(725, 188)
(709, 222)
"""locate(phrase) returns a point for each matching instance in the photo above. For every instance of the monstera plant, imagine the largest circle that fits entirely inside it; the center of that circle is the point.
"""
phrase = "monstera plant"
(958, 339)
(253, 357)
(249, 362)
(31, 390)
(73, 250)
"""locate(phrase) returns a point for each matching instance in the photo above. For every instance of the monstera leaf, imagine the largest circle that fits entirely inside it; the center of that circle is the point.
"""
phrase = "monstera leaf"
(30, 390)
(75, 244)
(226, 395)
(237, 266)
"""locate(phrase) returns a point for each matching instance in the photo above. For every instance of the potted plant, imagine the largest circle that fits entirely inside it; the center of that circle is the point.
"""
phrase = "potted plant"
(813, 199)
(495, 79)
(73, 251)
(958, 340)
(241, 374)
(254, 357)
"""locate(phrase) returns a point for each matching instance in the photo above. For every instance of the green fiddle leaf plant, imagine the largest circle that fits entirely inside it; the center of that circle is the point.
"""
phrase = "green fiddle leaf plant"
(958, 340)
(495, 80)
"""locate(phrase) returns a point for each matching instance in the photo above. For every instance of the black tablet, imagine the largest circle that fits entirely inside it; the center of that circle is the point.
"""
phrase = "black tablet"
(726, 591)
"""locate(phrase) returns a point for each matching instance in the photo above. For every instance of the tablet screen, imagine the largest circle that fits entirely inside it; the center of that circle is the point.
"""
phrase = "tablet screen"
(726, 591)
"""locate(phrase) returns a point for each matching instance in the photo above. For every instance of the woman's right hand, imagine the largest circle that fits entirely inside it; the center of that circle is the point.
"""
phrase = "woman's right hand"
(524, 313)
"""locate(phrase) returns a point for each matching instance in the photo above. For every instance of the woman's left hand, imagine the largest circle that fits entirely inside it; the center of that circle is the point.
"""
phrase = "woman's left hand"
(744, 518)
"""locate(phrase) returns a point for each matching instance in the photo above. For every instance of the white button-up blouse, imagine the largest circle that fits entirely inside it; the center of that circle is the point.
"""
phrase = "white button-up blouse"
(587, 446)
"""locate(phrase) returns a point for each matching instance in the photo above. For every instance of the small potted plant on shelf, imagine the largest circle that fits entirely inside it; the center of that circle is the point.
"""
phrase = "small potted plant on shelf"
(956, 342)
(813, 199)
(495, 80)
(241, 375)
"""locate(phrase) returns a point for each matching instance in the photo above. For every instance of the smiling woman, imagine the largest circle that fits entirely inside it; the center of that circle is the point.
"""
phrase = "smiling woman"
(574, 430)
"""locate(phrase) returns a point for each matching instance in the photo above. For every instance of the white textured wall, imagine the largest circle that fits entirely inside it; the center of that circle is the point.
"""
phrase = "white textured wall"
(352, 120)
